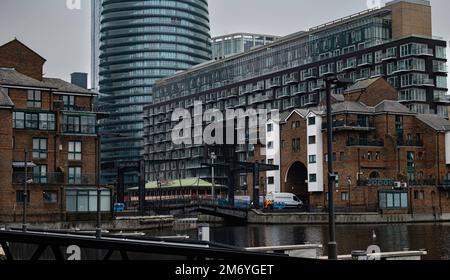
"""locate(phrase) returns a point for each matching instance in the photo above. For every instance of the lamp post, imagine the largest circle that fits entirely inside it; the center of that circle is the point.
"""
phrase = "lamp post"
(332, 244)
(98, 229)
(25, 193)
(213, 157)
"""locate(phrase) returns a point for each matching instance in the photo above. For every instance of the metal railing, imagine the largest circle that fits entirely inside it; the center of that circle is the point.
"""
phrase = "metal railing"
(365, 142)
(47, 178)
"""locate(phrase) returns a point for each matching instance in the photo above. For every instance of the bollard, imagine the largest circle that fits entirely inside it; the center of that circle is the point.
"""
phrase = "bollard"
(359, 256)
(203, 232)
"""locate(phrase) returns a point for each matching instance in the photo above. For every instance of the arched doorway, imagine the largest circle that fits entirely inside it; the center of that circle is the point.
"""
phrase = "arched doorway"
(296, 181)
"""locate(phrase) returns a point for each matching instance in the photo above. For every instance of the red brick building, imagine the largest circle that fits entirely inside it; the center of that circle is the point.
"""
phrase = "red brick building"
(385, 157)
(54, 121)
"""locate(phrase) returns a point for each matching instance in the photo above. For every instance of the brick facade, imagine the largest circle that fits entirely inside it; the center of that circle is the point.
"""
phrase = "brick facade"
(14, 140)
(375, 149)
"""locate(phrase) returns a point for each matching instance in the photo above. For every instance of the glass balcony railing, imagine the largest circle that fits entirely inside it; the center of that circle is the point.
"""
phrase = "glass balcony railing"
(365, 143)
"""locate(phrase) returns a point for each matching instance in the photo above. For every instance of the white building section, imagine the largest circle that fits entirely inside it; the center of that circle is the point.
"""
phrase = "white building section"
(273, 155)
(315, 152)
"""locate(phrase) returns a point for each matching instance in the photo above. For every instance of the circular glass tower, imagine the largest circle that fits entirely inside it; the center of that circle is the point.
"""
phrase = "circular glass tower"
(141, 42)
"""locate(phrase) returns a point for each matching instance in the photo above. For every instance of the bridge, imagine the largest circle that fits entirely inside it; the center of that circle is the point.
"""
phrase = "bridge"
(218, 208)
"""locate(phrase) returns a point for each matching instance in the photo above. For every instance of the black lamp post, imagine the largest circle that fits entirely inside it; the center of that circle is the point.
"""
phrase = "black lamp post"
(332, 245)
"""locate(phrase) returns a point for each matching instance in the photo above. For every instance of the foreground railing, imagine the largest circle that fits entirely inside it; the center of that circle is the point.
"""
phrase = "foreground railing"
(36, 245)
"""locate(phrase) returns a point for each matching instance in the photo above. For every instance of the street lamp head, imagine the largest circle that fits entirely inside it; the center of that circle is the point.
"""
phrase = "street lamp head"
(213, 155)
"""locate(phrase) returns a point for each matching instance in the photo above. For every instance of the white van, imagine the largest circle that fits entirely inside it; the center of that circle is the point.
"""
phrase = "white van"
(290, 200)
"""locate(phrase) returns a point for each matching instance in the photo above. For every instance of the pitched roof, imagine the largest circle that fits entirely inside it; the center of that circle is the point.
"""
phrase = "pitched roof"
(5, 101)
(351, 106)
(391, 106)
(363, 84)
(434, 121)
(23, 45)
(10, 77)
(63, 86)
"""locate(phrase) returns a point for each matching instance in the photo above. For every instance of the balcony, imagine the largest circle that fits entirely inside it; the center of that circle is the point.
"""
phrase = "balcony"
(318, 86)
(440, 68)
(79, 129)
(410, 143)
(442, 98)
(282, 94)
(274, 83)
(258, 87)
(85, 179)
(389, 56)
(445, 183)
(423, 52)
(424, 182)
(365, 62)
(291, 79)
(351, 125)
(365, 143)
(310, 75)
(37, 179)
(349, 66)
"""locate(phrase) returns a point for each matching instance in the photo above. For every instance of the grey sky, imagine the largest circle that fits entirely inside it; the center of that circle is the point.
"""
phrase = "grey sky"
(62, 36)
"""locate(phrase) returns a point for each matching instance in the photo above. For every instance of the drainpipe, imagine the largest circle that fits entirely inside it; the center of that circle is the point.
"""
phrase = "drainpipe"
(438, 178)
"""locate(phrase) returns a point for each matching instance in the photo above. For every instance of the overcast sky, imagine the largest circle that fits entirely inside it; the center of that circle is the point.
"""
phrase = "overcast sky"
(62, 36)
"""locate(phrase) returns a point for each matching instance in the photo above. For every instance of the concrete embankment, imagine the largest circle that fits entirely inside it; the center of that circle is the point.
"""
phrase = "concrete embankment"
(118, 224)
(257, 217)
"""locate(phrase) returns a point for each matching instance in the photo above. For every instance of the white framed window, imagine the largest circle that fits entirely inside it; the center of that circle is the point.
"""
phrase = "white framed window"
(75, 151)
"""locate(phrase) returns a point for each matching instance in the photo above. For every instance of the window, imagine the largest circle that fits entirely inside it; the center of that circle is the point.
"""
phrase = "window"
(75, 150)
(270, 180)
(270, 145)
(269, 127)
(341, 156)
(270, 161)
(20, 198)
(312, 140)
(79, 124)
(312, 121)
(377, 155)
(46, 121)
(34, 99)
(312, 159)
(86, 200)
(39, 148)
(74, 175)
(419, 195)
(369, 156)
(344, 196)
(312, 178)
(296, 124)
(42, 121)
(69, 102)
(441, 52)
(40, 174)
(19, 120)
(296, 145)
(50, 197)
(393, 199)
(441, 81)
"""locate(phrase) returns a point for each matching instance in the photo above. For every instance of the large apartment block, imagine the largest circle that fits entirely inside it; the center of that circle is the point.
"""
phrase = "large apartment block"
(227, 45)
(48, 139)
(394, 42)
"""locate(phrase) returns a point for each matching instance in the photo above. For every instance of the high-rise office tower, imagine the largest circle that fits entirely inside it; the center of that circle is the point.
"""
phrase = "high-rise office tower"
(140, 43)
(95, 42)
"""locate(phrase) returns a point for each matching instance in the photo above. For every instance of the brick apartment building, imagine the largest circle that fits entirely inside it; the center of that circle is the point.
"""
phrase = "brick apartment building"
(55, 122)
(386, 157)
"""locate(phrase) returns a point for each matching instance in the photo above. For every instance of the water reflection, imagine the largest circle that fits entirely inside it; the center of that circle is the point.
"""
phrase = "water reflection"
(395, 237)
